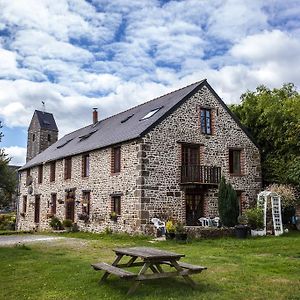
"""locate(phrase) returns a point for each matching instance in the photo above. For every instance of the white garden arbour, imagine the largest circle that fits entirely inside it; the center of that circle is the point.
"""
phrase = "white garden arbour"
(262, 202)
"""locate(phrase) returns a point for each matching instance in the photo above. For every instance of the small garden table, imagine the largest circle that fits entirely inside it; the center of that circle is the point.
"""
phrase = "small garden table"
(148, 258)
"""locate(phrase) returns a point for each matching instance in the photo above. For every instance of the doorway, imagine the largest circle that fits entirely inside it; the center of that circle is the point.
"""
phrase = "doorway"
(70, 205)
(194, 208)
(37, 204)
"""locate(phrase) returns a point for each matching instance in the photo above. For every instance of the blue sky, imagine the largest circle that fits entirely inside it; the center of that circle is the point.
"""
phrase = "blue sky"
(113, 54)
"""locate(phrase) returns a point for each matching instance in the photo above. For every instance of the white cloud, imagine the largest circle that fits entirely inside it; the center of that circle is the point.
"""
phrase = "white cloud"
(75, 54)
(8, 64)
(17, 155)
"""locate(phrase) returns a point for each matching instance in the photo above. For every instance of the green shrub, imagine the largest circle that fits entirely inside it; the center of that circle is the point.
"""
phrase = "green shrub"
(179, 228)
(227, 204)
(7, 221)
(55, 223)
(67, 223)
(255, 217)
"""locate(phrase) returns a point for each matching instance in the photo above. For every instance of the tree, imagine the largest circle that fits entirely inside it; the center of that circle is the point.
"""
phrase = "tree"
(227, 204)
(273, 118)
(8, 180)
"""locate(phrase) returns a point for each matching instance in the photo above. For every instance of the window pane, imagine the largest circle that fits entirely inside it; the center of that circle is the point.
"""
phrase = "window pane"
(236, 162)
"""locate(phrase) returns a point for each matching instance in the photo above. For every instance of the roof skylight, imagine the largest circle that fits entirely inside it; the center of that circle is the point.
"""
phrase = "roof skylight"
(126, 119)
(151, 113)
(65, 143)
(84, 137)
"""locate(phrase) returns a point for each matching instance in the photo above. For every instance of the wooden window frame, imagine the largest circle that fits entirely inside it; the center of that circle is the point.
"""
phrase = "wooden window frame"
(52, 171)
(85, 165)
(68, 168)
(116, 207)
(116, 160)
(40, 174)
(232, 159)
(205, 129)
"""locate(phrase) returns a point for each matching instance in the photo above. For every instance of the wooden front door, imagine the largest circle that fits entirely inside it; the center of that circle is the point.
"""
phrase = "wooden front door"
(70, 208)
(37, 204)
(190, 155)
(194, 208)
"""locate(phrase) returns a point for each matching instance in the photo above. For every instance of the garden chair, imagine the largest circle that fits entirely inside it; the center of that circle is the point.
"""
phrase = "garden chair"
(159, 225)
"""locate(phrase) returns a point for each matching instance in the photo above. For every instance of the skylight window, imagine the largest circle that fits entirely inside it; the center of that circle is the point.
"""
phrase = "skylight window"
(65, 143)
(151, 113)
(126, 119)
(84, 137)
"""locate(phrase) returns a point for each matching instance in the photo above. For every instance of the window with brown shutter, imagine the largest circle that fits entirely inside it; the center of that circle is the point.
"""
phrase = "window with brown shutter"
(68, 167)
(40, 174)
(86, 202)
(235, 162)
(53, 204)
(86, 165)
(116, 160)
(116, 204)
(52, 171)
(24, 204)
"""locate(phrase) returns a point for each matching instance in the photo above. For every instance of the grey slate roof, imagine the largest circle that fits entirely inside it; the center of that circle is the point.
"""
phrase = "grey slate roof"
(115, 129)
(46, 120)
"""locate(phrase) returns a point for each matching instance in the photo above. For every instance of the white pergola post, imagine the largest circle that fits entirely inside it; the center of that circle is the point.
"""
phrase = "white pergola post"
(262, 202)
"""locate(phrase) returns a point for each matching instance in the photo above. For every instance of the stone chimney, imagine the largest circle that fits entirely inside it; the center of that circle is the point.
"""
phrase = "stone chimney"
(95, 115)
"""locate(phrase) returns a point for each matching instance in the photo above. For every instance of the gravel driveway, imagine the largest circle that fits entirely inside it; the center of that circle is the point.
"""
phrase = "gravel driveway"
(10, 240)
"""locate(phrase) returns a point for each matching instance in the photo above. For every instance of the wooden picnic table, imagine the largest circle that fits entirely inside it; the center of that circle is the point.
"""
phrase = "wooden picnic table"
(149, 259)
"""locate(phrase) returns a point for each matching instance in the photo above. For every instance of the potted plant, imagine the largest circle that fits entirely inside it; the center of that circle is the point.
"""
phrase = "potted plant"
(55, 223)
(241, 230)
(255, 217)
(170, 230)
(180, 234)
(113, 216)
(67, 224)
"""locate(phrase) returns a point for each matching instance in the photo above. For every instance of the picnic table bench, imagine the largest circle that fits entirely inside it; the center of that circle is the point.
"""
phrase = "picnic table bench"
(148, 258)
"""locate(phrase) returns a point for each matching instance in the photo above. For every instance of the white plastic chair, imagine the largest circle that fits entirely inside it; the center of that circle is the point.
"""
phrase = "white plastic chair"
(216, 221)
(204, 221)
(158, 224)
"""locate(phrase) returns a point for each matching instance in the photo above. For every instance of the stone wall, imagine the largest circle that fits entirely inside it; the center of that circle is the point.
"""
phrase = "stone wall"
(160, 155)
(101, 184)
(149, 181)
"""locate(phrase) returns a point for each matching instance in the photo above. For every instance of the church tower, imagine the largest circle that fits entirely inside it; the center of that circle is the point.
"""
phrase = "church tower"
(42, 133)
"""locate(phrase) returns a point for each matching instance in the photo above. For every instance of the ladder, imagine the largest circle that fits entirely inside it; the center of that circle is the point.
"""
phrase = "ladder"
(276, 214)
(262, 202)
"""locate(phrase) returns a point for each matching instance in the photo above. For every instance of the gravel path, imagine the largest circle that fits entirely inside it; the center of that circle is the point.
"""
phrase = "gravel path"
(10, 240)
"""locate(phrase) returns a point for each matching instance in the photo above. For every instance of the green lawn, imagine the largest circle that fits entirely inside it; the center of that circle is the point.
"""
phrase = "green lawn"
(260, 268)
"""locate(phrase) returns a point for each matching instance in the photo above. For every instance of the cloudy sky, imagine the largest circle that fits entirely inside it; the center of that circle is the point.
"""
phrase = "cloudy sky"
(114, 54)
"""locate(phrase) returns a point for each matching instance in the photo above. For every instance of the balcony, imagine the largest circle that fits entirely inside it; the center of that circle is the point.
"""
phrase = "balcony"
(197, 174)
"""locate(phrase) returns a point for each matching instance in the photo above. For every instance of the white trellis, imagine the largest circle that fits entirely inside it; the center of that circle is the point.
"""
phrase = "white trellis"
(262, 202)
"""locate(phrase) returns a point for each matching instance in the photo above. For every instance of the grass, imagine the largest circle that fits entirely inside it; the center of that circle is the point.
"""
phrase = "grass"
(257, 268)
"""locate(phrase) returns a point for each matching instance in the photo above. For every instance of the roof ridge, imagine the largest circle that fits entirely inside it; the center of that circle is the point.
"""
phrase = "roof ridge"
(198, 82)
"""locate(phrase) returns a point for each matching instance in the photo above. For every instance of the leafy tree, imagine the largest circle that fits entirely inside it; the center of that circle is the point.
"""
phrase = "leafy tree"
(8, 180)
(227, 204)
(273, 118)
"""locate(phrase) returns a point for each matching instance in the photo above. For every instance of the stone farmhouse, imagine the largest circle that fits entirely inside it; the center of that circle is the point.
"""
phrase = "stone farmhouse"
(163, 158)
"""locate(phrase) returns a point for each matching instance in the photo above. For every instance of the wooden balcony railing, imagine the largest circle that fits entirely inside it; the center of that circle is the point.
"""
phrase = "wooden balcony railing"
(200, 174)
